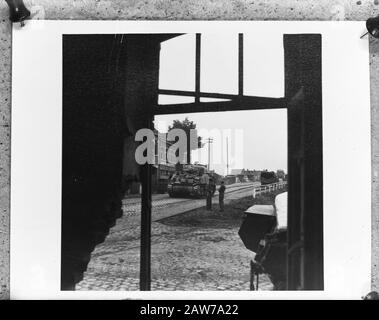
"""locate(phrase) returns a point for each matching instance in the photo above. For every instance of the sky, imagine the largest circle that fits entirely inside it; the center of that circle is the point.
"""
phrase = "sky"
(257, 139)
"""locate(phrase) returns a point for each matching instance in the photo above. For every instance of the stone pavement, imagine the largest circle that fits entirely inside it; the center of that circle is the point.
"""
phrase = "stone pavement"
(199, 255)
(183, 258)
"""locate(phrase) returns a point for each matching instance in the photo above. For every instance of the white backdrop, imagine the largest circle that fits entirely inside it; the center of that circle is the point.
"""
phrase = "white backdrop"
(36, 155)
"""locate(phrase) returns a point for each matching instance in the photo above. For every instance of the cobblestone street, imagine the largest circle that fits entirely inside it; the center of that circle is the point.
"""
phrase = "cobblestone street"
(196, 250)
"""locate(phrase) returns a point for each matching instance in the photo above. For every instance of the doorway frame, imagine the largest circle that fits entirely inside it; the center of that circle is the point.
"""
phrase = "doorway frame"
(303, 101)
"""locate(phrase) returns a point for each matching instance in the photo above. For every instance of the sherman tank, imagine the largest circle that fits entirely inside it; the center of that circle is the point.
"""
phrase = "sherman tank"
(192, 181)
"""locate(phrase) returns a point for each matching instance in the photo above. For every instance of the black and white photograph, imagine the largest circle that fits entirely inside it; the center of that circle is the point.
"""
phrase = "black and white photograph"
(189, 223)
(189, 158)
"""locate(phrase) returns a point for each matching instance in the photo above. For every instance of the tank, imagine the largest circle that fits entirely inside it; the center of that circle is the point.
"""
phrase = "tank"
(268, 177)
(190, 182)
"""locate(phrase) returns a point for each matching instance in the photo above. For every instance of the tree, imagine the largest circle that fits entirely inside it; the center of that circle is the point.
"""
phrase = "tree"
(187, 126)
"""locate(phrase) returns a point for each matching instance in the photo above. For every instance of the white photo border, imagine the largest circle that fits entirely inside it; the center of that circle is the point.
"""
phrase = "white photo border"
(36, 155)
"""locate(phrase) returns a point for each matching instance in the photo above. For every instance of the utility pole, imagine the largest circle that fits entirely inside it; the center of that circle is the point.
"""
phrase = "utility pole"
(210, 141)
(227, 156)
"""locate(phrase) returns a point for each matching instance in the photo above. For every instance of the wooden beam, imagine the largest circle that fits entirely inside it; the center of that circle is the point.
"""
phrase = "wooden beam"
(240, 64)
(245, 103)
(303, 88)
(146, 219)
(193, 94)
(197, 68)
(145, 248)
(207, 94)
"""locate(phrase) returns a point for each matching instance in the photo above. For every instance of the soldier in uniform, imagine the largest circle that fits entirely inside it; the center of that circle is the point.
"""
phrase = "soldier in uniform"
(204, 182)
(210, 190)
(221, 193)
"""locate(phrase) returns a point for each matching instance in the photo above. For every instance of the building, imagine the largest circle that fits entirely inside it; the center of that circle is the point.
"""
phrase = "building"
(245, 175)
(162, 170)
(230, 179)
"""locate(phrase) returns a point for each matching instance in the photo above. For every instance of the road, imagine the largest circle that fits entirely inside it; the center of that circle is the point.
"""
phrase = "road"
(163, 206)
(184, 257)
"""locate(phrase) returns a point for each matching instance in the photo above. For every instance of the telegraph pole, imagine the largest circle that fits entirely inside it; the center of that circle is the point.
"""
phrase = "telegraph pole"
(210, 141)
(227, 155)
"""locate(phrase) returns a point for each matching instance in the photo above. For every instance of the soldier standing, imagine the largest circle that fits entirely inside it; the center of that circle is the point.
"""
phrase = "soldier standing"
(204, 181)
(221, 193)
(210, 193)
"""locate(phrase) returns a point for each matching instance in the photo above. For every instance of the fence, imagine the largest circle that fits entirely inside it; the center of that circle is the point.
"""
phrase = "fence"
(268, 188)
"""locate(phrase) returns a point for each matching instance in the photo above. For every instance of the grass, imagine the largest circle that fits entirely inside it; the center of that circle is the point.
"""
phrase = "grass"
(230, 218)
